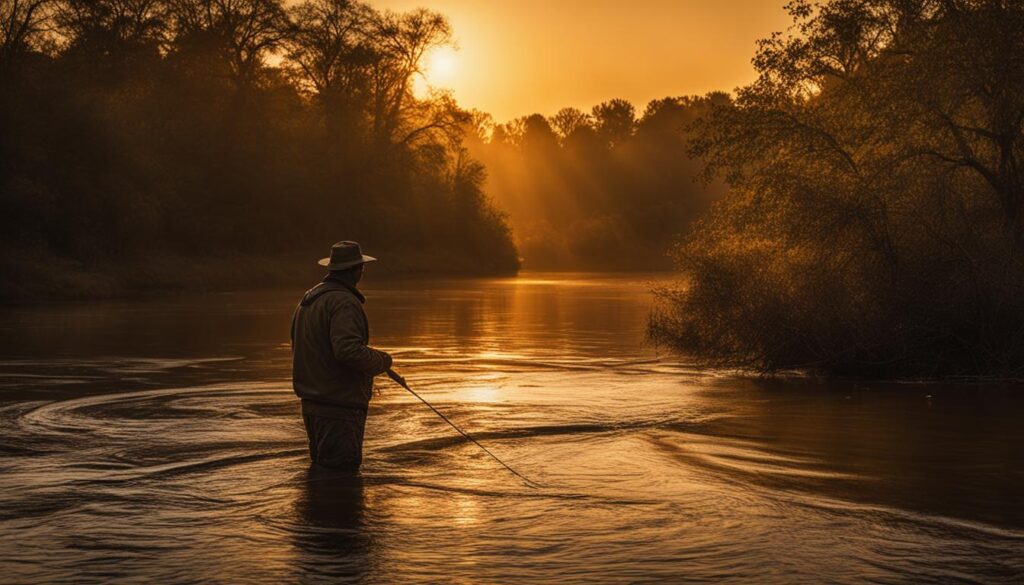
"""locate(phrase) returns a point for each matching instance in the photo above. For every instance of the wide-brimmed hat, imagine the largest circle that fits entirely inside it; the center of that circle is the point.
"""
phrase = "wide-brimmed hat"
(344, 255)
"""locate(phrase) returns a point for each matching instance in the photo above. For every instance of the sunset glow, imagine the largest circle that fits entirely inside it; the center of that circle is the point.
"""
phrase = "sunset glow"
(442, 67)
(441, 71)
(535, 56)
(543, 291)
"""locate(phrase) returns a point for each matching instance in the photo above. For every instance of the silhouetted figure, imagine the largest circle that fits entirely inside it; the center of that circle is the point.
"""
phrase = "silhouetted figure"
(332, 364)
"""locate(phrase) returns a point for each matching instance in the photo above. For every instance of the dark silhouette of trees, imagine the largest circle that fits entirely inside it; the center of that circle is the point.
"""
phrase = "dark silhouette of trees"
(24, 25)
(330, 51)
(112, 28)
(402, 40)
(601, 191)
(614, 121)
(241, 32)
(874, 224)
(141, 135)
(570, 120)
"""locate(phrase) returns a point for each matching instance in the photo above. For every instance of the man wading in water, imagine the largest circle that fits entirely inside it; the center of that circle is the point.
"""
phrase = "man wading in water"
(332, 365)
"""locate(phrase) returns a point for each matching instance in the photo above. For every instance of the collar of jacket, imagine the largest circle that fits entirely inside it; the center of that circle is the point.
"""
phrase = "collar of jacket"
(331, 283)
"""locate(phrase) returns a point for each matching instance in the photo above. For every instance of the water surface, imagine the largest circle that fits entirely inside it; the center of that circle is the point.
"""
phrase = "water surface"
(158, 440)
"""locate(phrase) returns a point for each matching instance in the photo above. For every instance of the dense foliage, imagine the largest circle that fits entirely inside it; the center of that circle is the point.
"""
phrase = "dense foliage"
(876, 222)
(135, 130)
(604, 190)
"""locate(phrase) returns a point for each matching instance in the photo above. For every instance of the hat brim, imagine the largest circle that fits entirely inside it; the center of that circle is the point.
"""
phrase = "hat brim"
(343, 265)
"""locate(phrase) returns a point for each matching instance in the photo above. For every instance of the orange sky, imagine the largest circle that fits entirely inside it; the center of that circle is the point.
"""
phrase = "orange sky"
(518, 57)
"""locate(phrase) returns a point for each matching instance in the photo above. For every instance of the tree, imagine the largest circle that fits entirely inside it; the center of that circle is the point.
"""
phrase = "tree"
(186, 133)
(240, 32)
(116, 32)
(579, 199)
(867, 163)
(330, 50)
(23, 24)
(614, 120)
(537, 134)
(401, 42)
(568, 121)
(329, 45)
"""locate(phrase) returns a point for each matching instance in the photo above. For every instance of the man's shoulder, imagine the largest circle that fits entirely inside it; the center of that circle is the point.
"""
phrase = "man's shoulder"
(341, 299)
(332, 294)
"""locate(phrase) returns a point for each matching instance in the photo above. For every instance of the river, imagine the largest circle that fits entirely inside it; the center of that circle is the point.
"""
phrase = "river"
(158, 440)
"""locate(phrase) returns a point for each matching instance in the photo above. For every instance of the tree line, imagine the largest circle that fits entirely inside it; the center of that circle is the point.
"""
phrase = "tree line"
(874, 224)
(608, 189)
(134, 129)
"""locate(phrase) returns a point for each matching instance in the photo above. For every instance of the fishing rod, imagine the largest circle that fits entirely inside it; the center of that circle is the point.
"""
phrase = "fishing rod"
(401, 382)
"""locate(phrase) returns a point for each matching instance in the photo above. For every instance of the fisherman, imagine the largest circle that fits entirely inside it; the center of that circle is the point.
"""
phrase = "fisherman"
(332, 364)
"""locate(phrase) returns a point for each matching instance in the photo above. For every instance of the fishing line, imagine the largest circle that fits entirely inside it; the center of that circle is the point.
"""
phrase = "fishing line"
(401, 382)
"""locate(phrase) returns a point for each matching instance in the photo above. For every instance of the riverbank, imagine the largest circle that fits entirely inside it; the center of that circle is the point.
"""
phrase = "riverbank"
(44, 277)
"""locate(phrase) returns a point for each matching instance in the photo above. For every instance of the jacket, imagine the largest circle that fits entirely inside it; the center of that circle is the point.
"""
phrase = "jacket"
(332, 363)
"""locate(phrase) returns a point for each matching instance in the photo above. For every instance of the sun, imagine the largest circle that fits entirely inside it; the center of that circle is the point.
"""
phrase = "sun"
(441, 68)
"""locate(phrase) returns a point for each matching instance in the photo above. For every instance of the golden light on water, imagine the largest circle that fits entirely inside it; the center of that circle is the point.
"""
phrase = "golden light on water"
(484, 393)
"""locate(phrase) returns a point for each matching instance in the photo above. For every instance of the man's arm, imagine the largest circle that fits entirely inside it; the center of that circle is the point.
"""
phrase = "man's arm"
(295, 316)
(347, 342)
